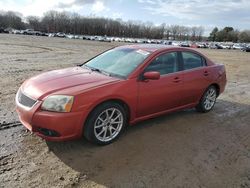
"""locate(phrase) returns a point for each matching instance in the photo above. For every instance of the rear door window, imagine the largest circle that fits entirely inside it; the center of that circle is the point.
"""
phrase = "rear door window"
(192, 60)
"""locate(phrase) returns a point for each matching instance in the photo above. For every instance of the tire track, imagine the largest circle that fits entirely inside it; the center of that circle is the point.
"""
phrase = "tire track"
(6, 163)
(4, 126)
(27, 45)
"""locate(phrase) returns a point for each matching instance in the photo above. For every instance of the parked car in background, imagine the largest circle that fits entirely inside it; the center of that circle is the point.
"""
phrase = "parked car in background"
(246, 49)
(86, 37)
(60, 34)
(202, 45)
(194, 45)
(9, 30)
(237, 46)
(16, 31)
(77, 37)
(117, 39)
(43, 34)
(93, 37)
(138, 40)
(31, 32)
(107, 39)
(225, 46)
(122, 86)
(185, 44)
(215, 46)
(147, 41)
(69, 36)
(166, 42)
(176, 43)
(51, 34)
(27, 32)
(2, 30)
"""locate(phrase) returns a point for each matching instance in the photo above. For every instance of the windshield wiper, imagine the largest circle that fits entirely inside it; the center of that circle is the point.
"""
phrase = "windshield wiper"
(103, 72)
(97, 70)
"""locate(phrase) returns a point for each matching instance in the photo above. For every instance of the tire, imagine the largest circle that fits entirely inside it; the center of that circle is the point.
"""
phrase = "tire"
(208, 100)
(105, 123)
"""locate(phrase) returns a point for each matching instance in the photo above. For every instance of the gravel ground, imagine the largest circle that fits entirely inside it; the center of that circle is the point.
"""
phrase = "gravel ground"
(183, 149)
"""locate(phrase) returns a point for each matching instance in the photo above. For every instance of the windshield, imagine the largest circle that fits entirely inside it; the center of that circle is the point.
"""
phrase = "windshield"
(118, 62)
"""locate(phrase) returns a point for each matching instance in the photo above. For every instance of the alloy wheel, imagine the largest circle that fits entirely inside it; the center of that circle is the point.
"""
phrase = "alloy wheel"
(210, 98)
(108, 124)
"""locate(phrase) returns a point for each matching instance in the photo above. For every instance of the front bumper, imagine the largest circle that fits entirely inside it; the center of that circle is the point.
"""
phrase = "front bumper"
(66, 126)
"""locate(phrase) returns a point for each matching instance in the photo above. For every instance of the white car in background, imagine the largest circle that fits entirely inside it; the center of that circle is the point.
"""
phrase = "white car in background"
(225, 46)
(117, 39)
(70, 36)
(175, 43)
(17, 31)
(60, 34)
(238, 46)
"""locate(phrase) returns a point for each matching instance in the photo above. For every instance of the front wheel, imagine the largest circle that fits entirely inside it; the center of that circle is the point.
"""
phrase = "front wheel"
(105, 123)
(208, 100)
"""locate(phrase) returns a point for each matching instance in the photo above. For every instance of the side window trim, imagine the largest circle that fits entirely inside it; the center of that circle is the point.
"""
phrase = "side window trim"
(180, 61)
(204, 61)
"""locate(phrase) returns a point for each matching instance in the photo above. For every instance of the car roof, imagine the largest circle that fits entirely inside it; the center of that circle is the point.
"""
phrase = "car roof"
(148, 47)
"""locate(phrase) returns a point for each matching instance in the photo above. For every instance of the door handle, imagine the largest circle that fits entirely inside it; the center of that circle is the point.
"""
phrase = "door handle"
(205, 73)
(176, 79)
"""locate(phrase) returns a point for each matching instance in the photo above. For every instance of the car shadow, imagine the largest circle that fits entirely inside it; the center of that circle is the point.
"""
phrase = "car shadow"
(175, 149)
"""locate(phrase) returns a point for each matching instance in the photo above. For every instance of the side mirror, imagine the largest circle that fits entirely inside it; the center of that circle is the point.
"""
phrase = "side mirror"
(152, 75)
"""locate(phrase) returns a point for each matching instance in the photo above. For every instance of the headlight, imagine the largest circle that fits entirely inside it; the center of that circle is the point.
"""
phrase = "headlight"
(58, 103)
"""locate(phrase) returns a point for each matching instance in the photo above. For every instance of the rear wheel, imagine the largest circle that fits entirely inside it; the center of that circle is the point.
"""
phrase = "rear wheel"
(208, 100)
(105, 123)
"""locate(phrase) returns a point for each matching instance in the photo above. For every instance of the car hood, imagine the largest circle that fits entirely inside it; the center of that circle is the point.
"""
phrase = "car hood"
(49, 82)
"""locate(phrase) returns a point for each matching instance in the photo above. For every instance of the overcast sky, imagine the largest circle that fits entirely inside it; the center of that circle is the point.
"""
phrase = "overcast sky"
(207, 13)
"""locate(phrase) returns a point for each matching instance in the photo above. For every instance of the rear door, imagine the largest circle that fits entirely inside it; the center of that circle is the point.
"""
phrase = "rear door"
(165, 93)
(195, 77)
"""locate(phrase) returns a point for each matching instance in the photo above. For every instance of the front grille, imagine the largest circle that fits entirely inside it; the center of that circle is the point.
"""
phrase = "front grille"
(25, 100)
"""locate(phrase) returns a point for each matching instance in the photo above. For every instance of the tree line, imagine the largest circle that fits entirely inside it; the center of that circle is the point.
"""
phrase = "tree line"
(229, 34)
(73, 23)
(12, 20)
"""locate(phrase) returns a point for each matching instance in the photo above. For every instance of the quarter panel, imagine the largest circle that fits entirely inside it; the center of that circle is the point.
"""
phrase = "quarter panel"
(195, 84)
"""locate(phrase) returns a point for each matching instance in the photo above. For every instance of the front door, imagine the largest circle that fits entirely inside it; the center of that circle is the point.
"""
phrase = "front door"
(163, 94)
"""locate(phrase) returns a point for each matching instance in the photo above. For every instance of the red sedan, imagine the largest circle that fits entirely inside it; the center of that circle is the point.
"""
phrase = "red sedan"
(119, 87)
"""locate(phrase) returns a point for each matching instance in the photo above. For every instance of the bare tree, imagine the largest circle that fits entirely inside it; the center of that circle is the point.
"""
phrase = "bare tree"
(34, 22)
(200, 32)
(11, 19)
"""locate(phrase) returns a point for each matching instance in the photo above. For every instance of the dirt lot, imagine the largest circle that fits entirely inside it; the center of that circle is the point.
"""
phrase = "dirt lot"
(184, 149)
